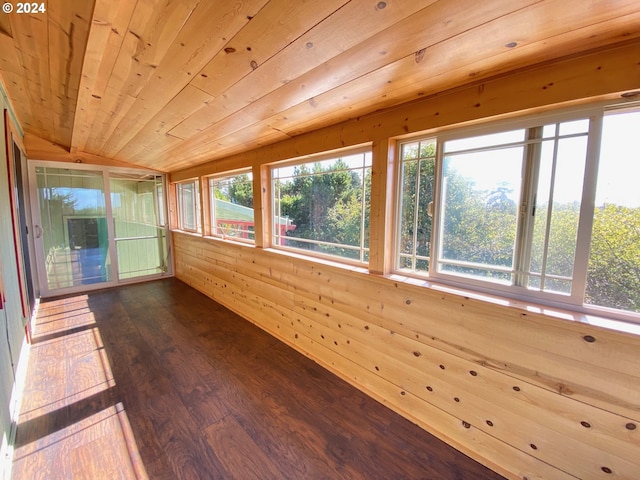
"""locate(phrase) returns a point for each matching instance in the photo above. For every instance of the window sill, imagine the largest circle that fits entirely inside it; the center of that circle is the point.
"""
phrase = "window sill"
(185, 232)
(230, 240)
(351, 267)
(554, 312)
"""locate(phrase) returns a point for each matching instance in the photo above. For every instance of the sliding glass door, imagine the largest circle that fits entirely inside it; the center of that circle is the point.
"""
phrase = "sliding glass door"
(96, 227)
(140, 231)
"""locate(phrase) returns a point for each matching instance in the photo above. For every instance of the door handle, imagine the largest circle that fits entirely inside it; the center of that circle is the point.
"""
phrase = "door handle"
(38, 230)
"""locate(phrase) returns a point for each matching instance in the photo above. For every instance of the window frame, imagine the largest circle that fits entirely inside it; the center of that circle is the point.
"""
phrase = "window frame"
(211, 229)
(576, 299)
(196, 209)
(274, 232)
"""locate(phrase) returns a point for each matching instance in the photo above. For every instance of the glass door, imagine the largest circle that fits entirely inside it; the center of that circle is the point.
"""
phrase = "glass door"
(140, 232)
(72, 230)
(94, 227)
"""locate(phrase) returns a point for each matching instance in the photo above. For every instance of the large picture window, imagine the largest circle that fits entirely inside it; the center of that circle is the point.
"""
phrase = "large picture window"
(231, 206)
(321, 205)
(513, 208)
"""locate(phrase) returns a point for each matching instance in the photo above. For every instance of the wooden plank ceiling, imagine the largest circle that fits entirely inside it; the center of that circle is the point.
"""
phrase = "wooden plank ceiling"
(169, 84)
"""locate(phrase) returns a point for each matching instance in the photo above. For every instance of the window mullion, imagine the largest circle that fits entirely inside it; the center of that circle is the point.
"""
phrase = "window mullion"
(587, 208)
(524, 239)
(435, 252)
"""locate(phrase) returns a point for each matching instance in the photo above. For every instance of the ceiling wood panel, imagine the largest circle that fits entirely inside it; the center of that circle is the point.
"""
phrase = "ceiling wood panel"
(201, 37)
(169, 84)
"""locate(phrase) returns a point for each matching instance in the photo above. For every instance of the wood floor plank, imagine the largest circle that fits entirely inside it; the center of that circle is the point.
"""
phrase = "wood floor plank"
(157, 381)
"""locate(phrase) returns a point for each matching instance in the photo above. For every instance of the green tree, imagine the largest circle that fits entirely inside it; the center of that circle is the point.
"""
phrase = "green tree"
(614, 263)
(324, 203)
(241, 190)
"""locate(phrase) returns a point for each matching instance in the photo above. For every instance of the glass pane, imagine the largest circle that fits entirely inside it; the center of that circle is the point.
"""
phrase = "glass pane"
(189, 206)
(408, 207)
(557, 209)
(423, 225)
(75, 237)
(415, 207)
(480, 195)
(614, 263)
(567, 196)
(410, 151)
(575, 126)
(139, 257)
(231, 200)
(140, 237)
(324, 205)
(484, 141)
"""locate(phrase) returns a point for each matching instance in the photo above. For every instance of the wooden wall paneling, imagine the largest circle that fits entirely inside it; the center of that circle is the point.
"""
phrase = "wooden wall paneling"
(38, 148)
(554, 365)
(474, 392)
(205, 206)
(172, 208)
(281, 328)
(202, 36)
(321, 316)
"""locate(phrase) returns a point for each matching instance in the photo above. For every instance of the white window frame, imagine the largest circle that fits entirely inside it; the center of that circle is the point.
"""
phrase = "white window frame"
(574, 301)
(213, 230)
(195, 209)
(278, 241)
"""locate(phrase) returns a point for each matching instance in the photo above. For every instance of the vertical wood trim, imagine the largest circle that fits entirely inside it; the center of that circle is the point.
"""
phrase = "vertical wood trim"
(263, 212)
(259, 215)
(172, 207)
(205, 206)
(380, 226)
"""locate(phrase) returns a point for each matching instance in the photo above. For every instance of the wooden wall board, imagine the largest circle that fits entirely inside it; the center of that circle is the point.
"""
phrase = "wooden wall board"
(354, 323)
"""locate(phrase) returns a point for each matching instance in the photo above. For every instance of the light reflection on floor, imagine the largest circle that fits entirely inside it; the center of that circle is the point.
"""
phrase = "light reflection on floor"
(72, 425)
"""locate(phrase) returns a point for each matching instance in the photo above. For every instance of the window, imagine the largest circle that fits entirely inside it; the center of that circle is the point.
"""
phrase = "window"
(321, 206)
(514, 209)
(613, 277)
(188, 197)
(231, 206)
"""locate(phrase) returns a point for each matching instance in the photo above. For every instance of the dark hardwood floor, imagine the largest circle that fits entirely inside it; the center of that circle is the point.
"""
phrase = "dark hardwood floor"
(158, 381)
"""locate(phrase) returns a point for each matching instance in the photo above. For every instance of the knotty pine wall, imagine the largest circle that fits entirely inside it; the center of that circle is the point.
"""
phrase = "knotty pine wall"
(533, 395)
